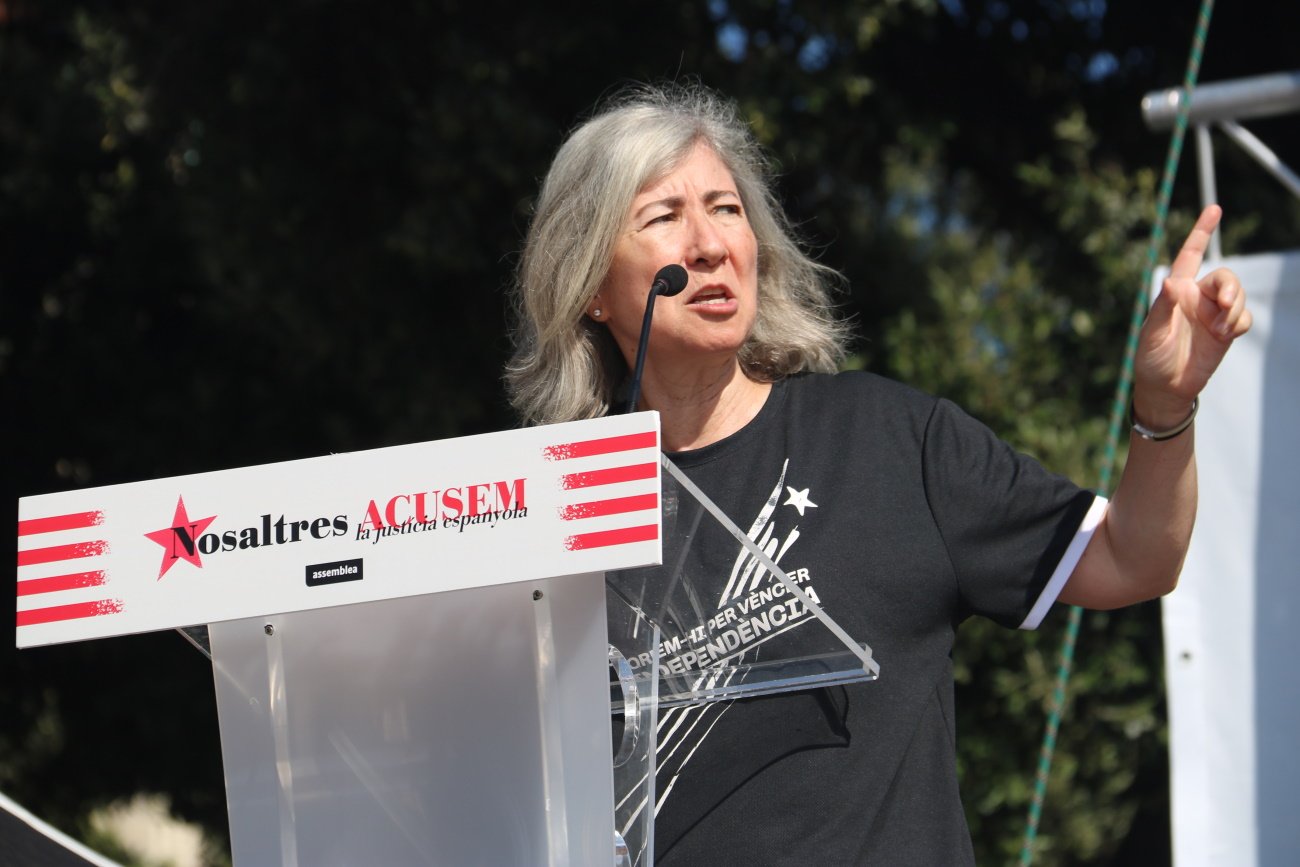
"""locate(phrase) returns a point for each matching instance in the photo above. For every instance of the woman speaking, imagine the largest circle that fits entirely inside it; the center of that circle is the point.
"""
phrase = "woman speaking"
(900, 513)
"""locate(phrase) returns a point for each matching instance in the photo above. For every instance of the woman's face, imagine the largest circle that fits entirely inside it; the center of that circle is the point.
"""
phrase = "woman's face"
(692, 217)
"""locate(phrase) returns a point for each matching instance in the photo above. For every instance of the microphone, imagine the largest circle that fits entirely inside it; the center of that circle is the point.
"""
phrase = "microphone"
(669, 280)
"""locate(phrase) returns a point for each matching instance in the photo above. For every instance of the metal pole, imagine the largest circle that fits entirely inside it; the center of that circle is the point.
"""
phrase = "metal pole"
(1209, 191)
(1260, 96)
(1263, 155)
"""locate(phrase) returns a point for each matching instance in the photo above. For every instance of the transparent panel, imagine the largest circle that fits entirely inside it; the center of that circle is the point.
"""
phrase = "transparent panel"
(198, 637)
(636, 728)
(469, 727)
(730, 625)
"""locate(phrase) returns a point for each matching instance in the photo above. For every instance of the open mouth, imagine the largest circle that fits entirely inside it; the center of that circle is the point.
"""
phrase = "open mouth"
(710, 296)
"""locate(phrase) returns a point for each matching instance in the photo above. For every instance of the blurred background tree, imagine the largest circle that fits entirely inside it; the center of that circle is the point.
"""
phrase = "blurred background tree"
(247, 232)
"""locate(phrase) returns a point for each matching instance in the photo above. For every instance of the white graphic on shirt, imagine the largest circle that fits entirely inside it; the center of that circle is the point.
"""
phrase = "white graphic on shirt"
(753, 608)
(799, 499)
(745, 573)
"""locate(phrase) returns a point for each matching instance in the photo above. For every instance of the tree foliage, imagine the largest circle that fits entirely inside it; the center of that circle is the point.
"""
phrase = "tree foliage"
(244, 232)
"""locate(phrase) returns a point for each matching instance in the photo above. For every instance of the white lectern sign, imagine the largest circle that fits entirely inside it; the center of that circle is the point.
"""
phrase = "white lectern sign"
(337, 530)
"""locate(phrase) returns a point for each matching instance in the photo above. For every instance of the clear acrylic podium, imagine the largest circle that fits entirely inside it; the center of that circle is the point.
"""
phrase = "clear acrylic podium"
(474, 656)
(474, 727)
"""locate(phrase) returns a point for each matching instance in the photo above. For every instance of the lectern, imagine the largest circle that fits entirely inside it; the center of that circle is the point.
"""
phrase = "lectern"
(418, 651)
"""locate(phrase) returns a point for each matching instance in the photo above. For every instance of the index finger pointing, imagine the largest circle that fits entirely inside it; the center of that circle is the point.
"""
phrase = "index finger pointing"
(1188, 261)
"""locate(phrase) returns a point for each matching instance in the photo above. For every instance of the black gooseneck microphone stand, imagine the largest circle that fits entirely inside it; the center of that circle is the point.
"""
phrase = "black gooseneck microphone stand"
(669, 281)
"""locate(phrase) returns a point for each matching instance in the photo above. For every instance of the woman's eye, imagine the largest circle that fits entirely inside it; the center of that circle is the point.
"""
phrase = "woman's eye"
(662, 218)
(733, 210)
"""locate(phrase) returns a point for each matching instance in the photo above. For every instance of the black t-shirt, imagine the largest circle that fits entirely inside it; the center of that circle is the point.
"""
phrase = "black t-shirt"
(902, 516)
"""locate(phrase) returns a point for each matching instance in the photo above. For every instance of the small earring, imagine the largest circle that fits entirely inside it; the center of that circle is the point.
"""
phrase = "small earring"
(595, 314)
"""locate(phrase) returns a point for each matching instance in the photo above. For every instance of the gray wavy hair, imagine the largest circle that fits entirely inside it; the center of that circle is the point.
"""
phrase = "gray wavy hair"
(565, 366)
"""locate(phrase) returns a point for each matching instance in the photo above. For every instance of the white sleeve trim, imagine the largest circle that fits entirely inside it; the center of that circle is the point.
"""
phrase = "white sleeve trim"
(1068, 561)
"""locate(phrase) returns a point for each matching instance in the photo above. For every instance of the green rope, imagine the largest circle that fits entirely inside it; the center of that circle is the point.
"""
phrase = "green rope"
(1118, 412)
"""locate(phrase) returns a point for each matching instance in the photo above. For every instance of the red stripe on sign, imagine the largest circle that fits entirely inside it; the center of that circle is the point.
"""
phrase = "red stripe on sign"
(608, 445)
(606, 538)
(78, 521)
(633, 473)
(62, 552)
(69, 612)
(56, 583)
(616, 506)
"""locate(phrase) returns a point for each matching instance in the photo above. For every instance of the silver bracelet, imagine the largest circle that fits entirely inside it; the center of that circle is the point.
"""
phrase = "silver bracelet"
(1161, 435)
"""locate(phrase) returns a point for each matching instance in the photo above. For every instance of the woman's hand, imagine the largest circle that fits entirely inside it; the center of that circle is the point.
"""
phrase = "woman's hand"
(1190, 327)
(1138, 547)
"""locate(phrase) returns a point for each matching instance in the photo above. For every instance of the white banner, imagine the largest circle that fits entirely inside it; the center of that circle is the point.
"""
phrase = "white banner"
(511, 506)
(1231, 643)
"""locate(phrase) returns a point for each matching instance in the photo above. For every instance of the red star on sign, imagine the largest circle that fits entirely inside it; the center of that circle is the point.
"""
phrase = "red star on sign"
(180, 541)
